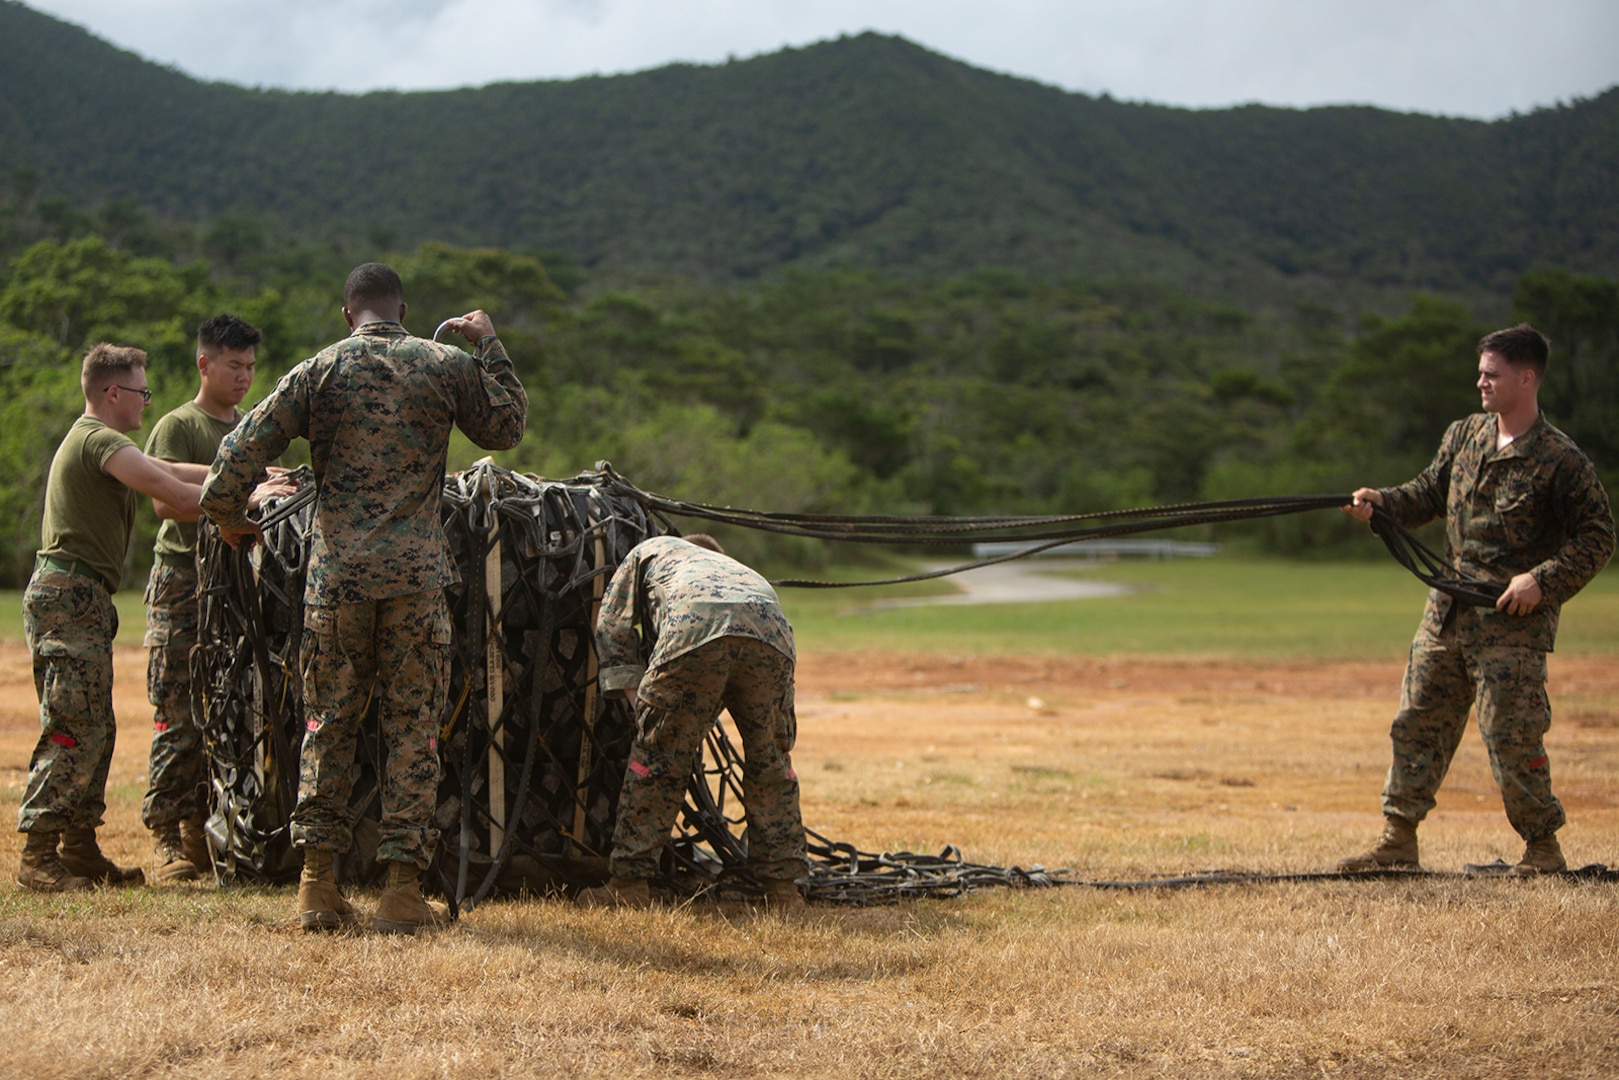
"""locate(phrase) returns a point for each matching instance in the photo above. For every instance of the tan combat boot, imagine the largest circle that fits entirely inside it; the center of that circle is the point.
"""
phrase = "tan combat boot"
(1543, 856)
(41, 869)
(172, 864)
(401, 908)
(320, 904)
(194, 844)
(82, 856)
(618, 892)
(783, 895)
(1397, 850)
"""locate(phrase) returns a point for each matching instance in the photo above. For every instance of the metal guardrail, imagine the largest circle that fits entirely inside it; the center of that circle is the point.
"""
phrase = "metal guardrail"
(1104, 549)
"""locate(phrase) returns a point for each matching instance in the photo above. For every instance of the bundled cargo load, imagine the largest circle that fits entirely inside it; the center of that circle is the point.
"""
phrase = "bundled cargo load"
(532, 756)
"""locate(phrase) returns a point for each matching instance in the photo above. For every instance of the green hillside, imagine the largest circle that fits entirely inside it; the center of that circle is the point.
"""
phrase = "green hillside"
(852, 278)
(866, 151)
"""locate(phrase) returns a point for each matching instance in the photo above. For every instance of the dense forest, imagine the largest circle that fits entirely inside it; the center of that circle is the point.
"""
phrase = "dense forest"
(846, 390)
(851, 278)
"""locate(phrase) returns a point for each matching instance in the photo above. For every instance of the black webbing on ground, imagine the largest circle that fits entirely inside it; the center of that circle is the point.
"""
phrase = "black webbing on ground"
(841, 874)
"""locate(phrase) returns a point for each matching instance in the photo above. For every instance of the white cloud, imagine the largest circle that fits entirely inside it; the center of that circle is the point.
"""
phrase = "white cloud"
(1465, 57)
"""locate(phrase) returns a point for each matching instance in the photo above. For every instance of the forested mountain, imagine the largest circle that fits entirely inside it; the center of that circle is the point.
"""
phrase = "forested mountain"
(853, 277)
(866, 151)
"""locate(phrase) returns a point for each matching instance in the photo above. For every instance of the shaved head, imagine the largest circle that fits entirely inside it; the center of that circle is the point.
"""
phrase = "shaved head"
(374, 287)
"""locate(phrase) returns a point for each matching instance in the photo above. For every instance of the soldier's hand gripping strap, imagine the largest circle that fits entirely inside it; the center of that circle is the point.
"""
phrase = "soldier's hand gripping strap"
(1428, 566)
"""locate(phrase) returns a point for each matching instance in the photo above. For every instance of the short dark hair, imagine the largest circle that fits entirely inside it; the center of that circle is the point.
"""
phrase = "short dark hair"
(226, 331)
(703, 540)
(106, 363)
(373, 285)
(1521, 346)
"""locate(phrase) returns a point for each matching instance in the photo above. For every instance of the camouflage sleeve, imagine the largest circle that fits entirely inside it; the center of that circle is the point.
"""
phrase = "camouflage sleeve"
(493, 412)
(618, 646)
(1422, 499)
(1588, 524)
(261, 437)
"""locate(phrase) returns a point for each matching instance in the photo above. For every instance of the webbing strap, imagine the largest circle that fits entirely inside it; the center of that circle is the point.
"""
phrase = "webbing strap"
(1044, 532)
(1427, 565)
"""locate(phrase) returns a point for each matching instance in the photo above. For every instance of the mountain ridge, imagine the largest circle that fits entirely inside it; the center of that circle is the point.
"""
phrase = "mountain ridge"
(866, 151)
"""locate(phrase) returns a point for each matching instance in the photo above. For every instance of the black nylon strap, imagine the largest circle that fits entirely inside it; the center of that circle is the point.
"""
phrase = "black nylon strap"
(1427, 565)
(1044, 532)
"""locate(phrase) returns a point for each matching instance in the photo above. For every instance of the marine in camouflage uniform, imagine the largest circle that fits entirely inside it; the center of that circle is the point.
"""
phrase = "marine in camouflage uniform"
(377, 409)
(70, 621)
(714, 637)
(177, 789)
(1523, 510)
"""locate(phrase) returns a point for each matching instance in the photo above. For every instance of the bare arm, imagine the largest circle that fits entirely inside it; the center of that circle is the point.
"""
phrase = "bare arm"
(154, 479)
(187, 473)
(190, 472)
(165, 512)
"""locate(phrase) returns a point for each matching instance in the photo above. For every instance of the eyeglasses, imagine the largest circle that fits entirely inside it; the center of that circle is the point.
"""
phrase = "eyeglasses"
(146, 395)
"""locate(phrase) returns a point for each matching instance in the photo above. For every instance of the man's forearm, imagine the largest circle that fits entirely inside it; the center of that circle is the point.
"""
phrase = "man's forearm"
(189, 471)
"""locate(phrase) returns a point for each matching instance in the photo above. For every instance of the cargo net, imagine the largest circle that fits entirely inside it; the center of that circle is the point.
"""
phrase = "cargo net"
(532, 756)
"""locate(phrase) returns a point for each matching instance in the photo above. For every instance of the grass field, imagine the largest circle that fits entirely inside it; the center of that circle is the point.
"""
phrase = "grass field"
(1241, 607)
(1247, 608)
(1230, 713)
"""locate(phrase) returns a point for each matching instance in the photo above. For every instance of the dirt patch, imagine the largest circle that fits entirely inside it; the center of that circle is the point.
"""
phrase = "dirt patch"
(1022, 758)
(1115, 769)
(832, 673)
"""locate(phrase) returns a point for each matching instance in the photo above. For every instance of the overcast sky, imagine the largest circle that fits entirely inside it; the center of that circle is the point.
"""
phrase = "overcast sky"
(1480, 58)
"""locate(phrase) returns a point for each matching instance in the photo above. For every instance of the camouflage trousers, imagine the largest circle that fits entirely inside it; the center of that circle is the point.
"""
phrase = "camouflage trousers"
(396, 650)
(178, 768)
(1443, 680)
(679, 702)
(70, 622)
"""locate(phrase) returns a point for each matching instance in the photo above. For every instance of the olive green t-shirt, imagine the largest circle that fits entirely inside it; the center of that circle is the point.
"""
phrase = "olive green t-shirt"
(89, 514)
(188, 434)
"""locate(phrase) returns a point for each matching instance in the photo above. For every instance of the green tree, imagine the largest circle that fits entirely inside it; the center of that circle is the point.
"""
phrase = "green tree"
(1580, 313)
(85, 290)
(442, 281)
(39, 397)
(1404, 381)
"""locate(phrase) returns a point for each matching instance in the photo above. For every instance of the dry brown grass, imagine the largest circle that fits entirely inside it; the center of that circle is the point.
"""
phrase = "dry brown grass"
(1117, 769)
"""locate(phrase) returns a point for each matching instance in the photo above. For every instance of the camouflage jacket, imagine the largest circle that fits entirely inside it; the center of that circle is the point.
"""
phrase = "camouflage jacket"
(377, 409)
(682, 596)
(1535, 507)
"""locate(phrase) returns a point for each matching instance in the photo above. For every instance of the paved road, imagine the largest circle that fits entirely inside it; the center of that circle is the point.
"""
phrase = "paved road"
(1021, 581)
